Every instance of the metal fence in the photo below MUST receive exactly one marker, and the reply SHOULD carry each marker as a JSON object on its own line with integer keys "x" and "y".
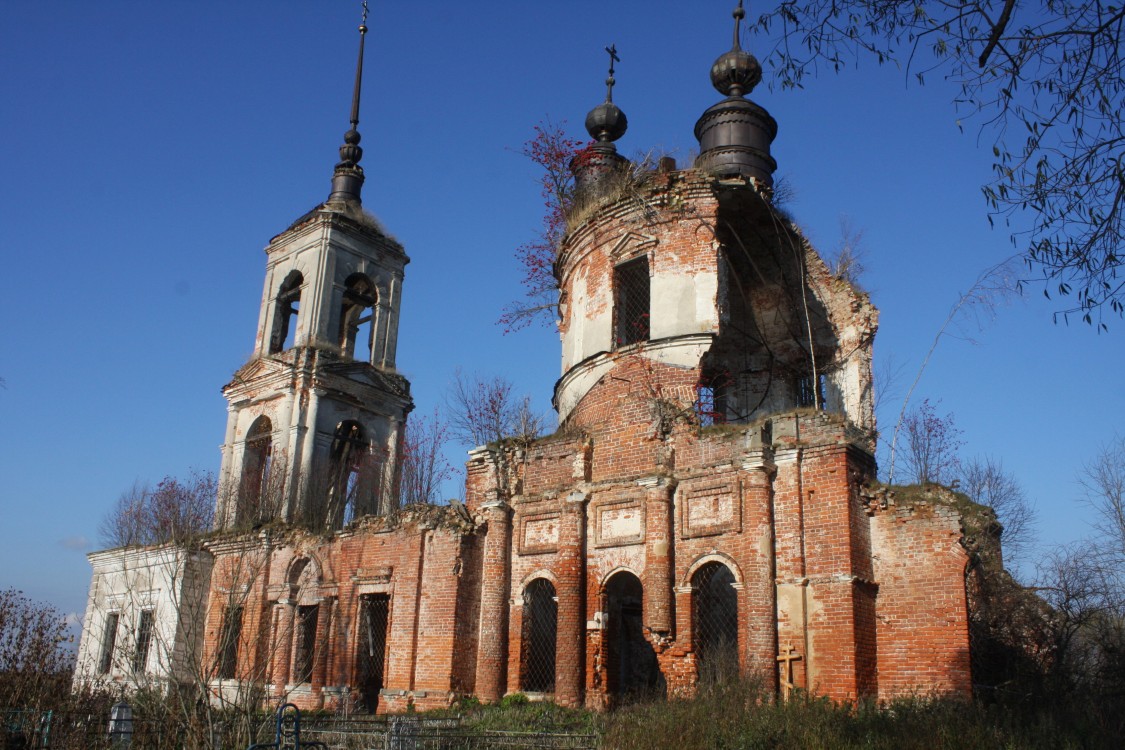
{"x": 46, "y": 730}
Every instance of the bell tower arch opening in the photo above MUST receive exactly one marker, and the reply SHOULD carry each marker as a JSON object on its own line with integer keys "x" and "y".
{"x": 357, "y": 318}
{"x": 285, "y": 313}
{"x": 257, "y": 463}
{"x": 351, "y": 485}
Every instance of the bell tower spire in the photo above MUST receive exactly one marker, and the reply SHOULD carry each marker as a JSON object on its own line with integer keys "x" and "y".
{"x": 315, "y": 418}
{"x": 347, "y": 180}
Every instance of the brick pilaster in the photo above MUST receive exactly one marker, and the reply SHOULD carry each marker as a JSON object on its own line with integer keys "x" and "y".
{"x": 492, "y": 653}
{"x": 571, "y": 572}
{"x": 659, "y": 558}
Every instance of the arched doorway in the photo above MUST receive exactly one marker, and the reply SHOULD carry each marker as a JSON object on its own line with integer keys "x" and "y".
{"x": 631, "y": 667}
{"x": 714, "y": 623}
{"x": 539, "y": 635}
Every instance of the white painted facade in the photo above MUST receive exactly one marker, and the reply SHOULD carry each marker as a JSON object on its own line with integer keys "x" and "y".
{"x": 167, "y": 585}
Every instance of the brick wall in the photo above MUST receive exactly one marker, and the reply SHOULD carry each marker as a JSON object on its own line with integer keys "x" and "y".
{"x": 923, "y": 628}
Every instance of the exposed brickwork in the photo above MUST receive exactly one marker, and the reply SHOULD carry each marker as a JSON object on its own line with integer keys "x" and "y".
{"x": 833, "y": 592}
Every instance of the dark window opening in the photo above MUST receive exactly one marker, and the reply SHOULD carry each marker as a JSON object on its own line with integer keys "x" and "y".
{"x": 632, "y": 671}
{"x": 288, "y": 300}
{"x": 631, "y": 302}
{"x": 144, "y": 640}
{"x": 806, "y": 395}
{"x": 539, "y": 634}
{"x": 230, "y": 635}
{"x": 256, "y": 464}
{"x": 306, "y": 644}
{"x": 109, "y": 643}
{"x": 374, "y": 611}
{"x": 714, "y": 619}
{"x": 357, "y": 315}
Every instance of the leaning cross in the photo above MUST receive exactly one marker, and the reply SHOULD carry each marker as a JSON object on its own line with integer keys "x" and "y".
{"x": 787, "y": 655}
{"x": 612, "y": 50}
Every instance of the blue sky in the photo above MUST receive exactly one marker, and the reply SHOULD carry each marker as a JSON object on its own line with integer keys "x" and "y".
{"x": 150, "y": 151}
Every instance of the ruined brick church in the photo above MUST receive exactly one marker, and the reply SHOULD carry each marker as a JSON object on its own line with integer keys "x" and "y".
{"x": 705, "y": 509}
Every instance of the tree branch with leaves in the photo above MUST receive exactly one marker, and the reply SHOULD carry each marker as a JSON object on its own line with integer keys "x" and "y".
{"x": 1047, "y": 79}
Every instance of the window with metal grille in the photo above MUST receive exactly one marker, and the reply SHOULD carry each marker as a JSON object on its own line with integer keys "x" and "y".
{"x": 109, "y": 642}
{"x": 228, "y": 645}
{"x": 714, "y": 618}
{"x": 374, "y": 610}
{"x": 144, "y": 640}
{"x": 540, "y": 628}
{"x": 711, "y": 397}
{"x": 631, "y": 302}
{"x": 306, "y": 644}
{"x": 806, "y": 395}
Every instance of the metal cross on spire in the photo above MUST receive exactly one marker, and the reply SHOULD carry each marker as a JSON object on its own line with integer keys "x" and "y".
{"x": 613, "y": 58}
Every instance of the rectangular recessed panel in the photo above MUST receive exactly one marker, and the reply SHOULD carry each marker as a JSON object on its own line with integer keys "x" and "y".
{"x": 540, "y": 534}
{"x": 711, "y": 509}
{"x": 620, "y": 523}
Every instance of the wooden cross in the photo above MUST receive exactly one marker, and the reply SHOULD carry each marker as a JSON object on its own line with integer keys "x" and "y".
{"x": 787, "y": 655}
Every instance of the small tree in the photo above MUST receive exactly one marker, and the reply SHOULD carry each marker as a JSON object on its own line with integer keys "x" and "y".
{"x": 485, "y": 411}
{"x": 1104, "y": 482}
{"x": 551, "y": 150}
{"x": 932, "y": 442}
{"x": 985, "y": 480}
{"x": 424, "y": 466}
{"x": 173, "y": 511}
{"x": 35, "y": 661}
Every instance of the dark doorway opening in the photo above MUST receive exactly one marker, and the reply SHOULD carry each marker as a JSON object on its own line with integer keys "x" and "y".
{"x": 632, "y": 671}
{"x": 714, "y": 618}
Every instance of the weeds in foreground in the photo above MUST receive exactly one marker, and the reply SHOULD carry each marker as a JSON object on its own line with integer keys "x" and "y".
{"x": 742, "y": 715}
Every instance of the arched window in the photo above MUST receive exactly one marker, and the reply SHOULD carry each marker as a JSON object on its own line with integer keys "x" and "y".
{"x": 349, "y": 485}
{"x": 631, "y": 666}
{"x": 285, "y": 313}
{"x": 540, "y": 629}
{"x": 256, "y": 464}
{"x": 714, "y": 622}
{"x": 357, "y": 313}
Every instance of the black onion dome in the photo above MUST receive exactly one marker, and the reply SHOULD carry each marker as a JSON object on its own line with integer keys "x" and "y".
{"x": 735, "y": 134}
{"x": 606, "y": 122}
{"x": 736, "y": 73}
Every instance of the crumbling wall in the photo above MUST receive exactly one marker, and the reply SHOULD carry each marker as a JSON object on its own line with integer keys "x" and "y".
{"x": 739, "y": 298}
{"x": 919, "y": 564}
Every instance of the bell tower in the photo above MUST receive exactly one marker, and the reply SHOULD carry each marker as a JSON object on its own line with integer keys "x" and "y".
{"x": 315, "y": 418}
